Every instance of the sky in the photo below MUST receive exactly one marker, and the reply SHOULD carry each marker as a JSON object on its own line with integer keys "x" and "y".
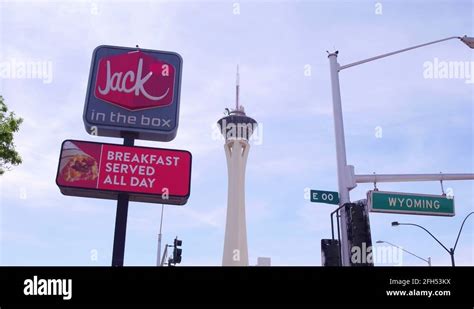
{"x": 398, "y": 119}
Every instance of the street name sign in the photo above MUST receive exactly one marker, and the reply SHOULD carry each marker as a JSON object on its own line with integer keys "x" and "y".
{"x": 133, "y": 90}
{"x": 410, "y": 203}
{"x": 100, "y": 170}
{"x": 327, "y": 197}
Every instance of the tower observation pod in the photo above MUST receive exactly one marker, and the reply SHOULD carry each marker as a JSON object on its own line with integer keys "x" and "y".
{"x": 236, "y": 128}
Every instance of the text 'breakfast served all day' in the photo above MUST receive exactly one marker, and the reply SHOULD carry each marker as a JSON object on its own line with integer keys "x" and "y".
{"x": 142, "y": 170}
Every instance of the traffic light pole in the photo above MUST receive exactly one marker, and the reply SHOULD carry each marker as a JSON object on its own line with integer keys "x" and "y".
{"x": 158, "y": 255}
{"x": 345, "y": 173}
{"x": 165, "y": 254}
{"x": 342, "y": 167}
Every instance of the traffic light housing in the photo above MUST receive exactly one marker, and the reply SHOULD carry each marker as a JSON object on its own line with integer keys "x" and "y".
{"x": 330, "y": 252}
{"x": 177, "y": 251}
{"x": 358, "y": 234}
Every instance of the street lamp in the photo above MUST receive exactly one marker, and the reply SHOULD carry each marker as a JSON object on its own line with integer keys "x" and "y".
{"x": 346, "y": 178}
{"x": 427, "y": 261}
{"x": 451, "y": 250}
{"x": 468, "y": 41}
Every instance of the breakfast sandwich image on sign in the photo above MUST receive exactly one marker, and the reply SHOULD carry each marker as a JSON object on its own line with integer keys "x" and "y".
{"x": 133, "y": 90}
{"x": 147, "y": 174}
{"x": 79, "y": 166}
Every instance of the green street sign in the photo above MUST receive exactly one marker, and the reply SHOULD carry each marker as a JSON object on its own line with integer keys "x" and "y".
{"x": 327, "y": 197}
{"x": 410, "y": 203}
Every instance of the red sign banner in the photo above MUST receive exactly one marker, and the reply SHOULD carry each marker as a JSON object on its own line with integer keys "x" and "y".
{"x": 102, "y": 170}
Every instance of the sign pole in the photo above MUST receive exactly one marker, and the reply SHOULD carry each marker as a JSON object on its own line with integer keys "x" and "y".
{"x": 121, "y": 216}
{"x": 120, "y": 230}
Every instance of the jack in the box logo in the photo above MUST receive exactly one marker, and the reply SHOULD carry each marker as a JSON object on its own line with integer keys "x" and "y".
{"x": 133, "y": 91}
{"x": 135, "y": 81}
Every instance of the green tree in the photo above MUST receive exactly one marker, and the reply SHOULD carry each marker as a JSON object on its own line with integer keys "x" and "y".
{"x": 9, "y": 124}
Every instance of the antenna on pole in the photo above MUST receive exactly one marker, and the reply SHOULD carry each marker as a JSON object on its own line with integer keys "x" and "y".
{"x": 237, "y": 84}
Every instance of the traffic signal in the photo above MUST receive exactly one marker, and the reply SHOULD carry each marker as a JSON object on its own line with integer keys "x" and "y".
{"x": 358, "y": 233}
{"x": 330, "y": 252}
{"x": 177, "y": 251}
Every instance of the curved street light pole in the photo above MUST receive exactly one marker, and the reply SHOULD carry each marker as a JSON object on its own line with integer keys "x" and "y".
{"x": 427, "y": 261}
{"x": 451, "y": 250}
{"x": 460, "y": 230}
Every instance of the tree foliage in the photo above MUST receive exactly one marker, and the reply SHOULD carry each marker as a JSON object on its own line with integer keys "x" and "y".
{"x": 9, "y": 124}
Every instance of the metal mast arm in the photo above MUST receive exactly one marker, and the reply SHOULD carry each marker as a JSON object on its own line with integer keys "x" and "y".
{"x": 410, "y": 177}
{"x": 395, "y": 52}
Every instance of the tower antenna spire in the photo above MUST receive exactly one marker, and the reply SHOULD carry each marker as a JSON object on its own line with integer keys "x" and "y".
{"x": 237, "y": 85}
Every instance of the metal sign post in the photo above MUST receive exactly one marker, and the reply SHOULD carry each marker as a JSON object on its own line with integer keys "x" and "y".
{"x": 121, "y": 216}
{"x": 120, "y": 230}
